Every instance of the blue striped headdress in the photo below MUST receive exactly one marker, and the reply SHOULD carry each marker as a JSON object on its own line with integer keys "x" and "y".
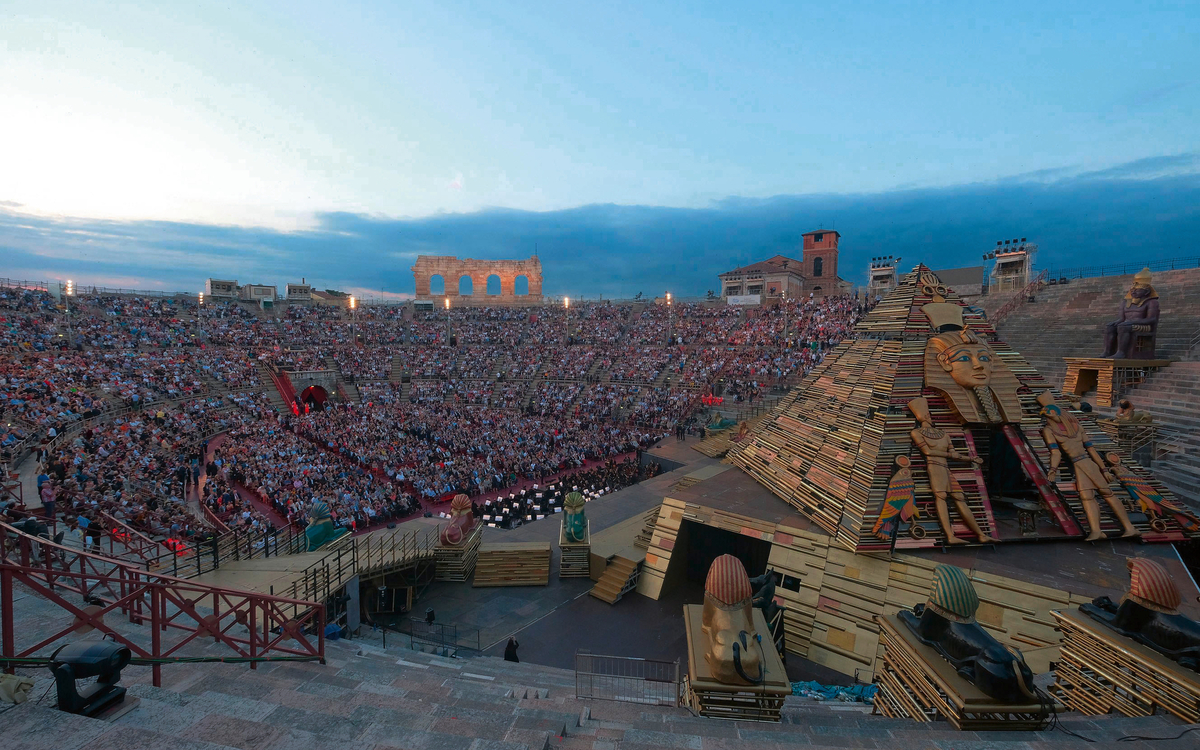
{"x": 953, "y": 596}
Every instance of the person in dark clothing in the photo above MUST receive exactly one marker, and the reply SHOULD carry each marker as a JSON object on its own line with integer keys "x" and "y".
{"x": 510, "y": 651}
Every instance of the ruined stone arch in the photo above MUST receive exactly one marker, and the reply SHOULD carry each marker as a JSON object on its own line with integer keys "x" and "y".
{"x": 455, "y": 269}
{"x": 521, "y": 285}
{"x": 437, "y": 284}
{"x": 466, "y": 286}
{"x": 493, "y": 287}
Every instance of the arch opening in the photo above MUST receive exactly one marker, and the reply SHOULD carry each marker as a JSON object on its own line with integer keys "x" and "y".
{"x": 521, "y": 285}
{"x": 493, "y": 285}
{"x": 313, "y": 398}
{"x": 466, "y": 287}
{"x": 437, "y": 284}
{"x": 818, "y": 267}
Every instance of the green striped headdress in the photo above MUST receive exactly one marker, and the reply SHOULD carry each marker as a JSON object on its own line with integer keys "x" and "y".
{"x": 953, "y": 596}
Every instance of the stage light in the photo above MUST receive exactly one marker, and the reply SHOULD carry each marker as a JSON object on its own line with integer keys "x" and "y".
{"x": 668, "y": 298}
{"x": 447, "y": 303}
{"x": 103, "y": 660}
{"x": 202, "y": 298}
{"x": 353, "y": 303}
{"x": 566, "y": 302}
{"x": 70, "y": 288}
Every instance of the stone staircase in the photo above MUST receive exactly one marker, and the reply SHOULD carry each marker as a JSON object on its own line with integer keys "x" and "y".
{"x": 1068, "y": 321}
{"x": 1172, "y": 397}
{"x": 367, "y": 697}
{"x": 273, "y": 395}
{"x": 619, "y": 577}
{"x": 397, "y": 369}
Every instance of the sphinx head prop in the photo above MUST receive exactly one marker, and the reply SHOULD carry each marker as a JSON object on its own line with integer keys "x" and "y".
{"x": 733, "y": 648}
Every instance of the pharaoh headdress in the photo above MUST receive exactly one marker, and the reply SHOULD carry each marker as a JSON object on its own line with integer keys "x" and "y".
{"x": 993, "y": 403}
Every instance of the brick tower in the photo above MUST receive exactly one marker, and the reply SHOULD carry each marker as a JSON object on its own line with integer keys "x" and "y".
{"x": 820, "y": 259}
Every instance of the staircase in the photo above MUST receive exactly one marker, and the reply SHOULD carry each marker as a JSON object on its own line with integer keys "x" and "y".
{"x": 619, "y": 578}
{"x": 273, "y": 394}
{"x": 1069, "y": 320}
{"x": 1172, "y": 397}
{"x": 369, "y": 697}
{"x": 397, "y": 369}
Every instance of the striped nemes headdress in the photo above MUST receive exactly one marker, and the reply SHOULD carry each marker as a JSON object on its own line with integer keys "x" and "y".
{"x": 1150, "y": 585}
{"x": 728, "y": 582}
{"x": 953, "y": 595}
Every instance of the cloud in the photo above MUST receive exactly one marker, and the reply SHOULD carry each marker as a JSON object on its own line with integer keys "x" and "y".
{"x": 1134, "y": 212}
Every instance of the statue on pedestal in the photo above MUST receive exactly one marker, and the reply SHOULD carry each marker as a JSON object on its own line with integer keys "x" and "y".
{"x": 1064, "y": 435}
{"x": 320, "y": 530}
{"x": 1139, "y": 316}
{"x": 938, "y": 450}
{"x": 1149, "y": 614}
{"x": 733, "y": 648}
{"x": 947, "y": 623}
{"x": 462, "y": 521}
{"x": 575, "y": 526}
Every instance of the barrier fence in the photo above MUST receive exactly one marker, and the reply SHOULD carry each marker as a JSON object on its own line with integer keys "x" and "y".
{"x": 89, "y": 588}
{"x": 627, "y": 679}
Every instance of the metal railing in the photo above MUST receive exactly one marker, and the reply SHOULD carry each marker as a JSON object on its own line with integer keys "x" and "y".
{"x": 177, "y": 611}
{"x": 446, "y": 638}
{"x": 1019, "y": 298}
{"x": 628, "y": 679}
{"x": 1123, "y": 269}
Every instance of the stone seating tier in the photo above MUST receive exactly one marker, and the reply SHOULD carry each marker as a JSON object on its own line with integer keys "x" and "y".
{"x": 1068, "y": 321}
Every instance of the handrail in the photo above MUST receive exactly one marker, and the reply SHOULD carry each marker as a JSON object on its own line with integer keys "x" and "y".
{"x": 1018, "y": 299}
{"x": 1124, "y": 269}
{"x": 111, "y": 586}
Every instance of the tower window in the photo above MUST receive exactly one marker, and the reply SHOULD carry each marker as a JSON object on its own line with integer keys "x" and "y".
{"x": 818, "y": 237}
{"x": 818, "y": 266}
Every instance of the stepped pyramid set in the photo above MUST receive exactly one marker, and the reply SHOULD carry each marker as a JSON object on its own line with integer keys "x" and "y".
{"x": 842, "y": 446}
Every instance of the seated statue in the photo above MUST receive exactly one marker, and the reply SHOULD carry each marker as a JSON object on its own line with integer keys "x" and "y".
{"x": 320, "y": 530}
{"x": 1149, "y": 614}
{"x": 462, "y": 521}
{"x": 947, "y": 623}
{"x": 575, "y": 526}
{"x": 1139, "y": 317}
{"x": 733, "y": 649}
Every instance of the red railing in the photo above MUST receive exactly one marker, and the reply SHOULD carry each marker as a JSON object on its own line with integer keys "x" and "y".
{"x": 274, "y": 626}
{"x": 1019, "y": 299}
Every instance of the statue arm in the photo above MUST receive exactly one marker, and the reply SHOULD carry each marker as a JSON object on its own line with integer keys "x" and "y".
{"x": 1095, "y": 455}
{"x": 1055, "y": 454}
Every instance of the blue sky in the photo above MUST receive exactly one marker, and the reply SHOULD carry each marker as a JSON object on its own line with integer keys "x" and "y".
{"x": 250, "y": 121}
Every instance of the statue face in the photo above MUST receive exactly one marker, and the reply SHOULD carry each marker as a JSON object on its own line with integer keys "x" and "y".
{"x": 1137, "y": 291}
{"x": 970, "y": 365}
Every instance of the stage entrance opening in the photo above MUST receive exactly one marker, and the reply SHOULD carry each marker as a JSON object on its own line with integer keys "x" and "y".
{"x": 703, "y": 544}
{"x": 314, "y": 397}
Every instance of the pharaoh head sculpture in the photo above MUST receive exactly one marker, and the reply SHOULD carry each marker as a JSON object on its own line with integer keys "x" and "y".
{"x": 961, "y": 364}
{"x": 462, "y": 521}
{"x": 1150, "y": 585}
{"x": 573, "y": 503}
{"x": 1141, "y": 290}
{"x": 319, "y": 511}
{"x": 733, "y": 648}
{"x": 460, "y": 505}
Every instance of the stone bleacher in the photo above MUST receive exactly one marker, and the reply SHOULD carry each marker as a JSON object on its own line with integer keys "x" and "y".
{"x": 1068, "y": 321}
{"x": 368, "y": 697}
{"x": 1172, "y": 397}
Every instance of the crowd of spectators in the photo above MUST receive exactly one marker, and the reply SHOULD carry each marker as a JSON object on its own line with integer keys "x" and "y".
{"x": 523, "y": 395}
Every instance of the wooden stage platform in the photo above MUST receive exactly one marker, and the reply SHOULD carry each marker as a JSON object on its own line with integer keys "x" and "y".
{"x": 1102, "y": 671}
{"x": 263, "y": 575}
{"x": 916, "y": 683}
{"x": 716, "y": 700}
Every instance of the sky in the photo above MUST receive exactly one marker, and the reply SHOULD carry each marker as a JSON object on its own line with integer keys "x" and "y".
{"x": 154, "y": 141}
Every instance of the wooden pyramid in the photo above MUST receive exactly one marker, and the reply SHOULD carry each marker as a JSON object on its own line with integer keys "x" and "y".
{"x": 830, "y": 447}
